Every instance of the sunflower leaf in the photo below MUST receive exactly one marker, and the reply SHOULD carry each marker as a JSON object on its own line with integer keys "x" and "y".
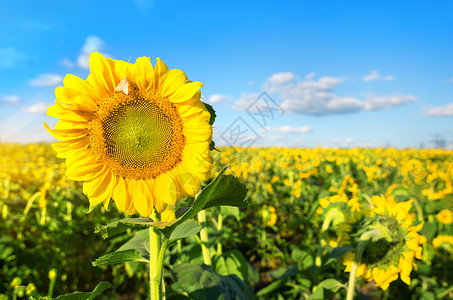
{"x": 212, "y": 112}
{"x": 224, "y": 190}
{"x": 98, "y": 290}
{"x": 121, "y": 226}
{"x": 118, "y": 257}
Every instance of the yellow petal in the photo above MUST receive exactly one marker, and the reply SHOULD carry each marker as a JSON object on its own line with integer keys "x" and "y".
{"x": 100, "y": 188}
{"x": 76, "y": 83}
{"x": 166, "y": 189}
{"x": 143, "y": 201}
{"x": 171, "y": 81}
{"x": 66, "y": 134}
{"x": 185, "y": 92}
{"x": 189, "y": 181}
{"x": 120, "y": 196}
{"x": 76, "y": 99}
{"x": 159, "y": 70}
{"x": 68, "y": 115}
{"x": 142, "y": 73}
{"x": 101, "y": 74}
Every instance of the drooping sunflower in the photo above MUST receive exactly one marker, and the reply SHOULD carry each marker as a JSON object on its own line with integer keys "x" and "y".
{"x": 393, "y": 241}
{"x": 133, "y": 133}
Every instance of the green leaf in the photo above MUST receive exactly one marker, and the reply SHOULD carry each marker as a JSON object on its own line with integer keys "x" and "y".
{"x": 331, "y": 285}
{"x": 186, "y": 229}
{"x": 98, "y": 290}
{"x": 120, "y": 226}
{"x": 118, "y": 257}
{"x": 429, "y": 230}
{"x": 212, "y": 112}
{"x": 232, "y": 262}
{"x": 318, "y": 294}
{"x": 230, "y": 211}
{"x": 284, "y": 272}
{"x": 139, "y": 242}
{"x": 271, "y": 288}
{"x": 340, "y": 251}
{"x": 224, "y": 190}
{"x": 201, "y": 282}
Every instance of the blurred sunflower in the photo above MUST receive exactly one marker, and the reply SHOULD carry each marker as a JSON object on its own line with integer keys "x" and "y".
{"x": 445, "y": 216}
{"x": 133, "y": 132}
{"x": 390, "y": 238}
{"x": 444, "y": 243}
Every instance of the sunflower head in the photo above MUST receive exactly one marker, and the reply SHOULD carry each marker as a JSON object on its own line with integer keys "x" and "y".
{"x": 133, "y": 133}
{"x": 392, "y": 241}
{"x": 445, "y": 216}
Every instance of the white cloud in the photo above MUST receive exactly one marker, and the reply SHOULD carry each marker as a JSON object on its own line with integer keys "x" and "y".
{"x": 375, "y": 76}
{"x": 9, "y": 99}
{"x": 66, "y": 63}
{"x": 47, "y": 79}
{"x": 383, "y": 102}
{"x": 37, "y": 108}
{"x": 290, "y": 129}
{"x": 282, "y": 77}
{"x": 245, "y": 101}
{"x": 92, "y": 44}
{"x": 10, "y": 57}
{"x": 310, "y": 75}
{"x": 318, "y": 97}
{"x": 446, "y": 110}
{"x": 217, "y": 98}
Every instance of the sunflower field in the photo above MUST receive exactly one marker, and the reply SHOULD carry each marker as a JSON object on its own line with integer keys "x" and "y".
{"x": 313, "y": 217}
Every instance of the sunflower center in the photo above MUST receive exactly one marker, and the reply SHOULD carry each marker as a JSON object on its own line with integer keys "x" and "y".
{"x": 139, "y": 134}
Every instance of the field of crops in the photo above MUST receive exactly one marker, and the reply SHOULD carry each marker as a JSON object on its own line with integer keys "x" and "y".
{"x": 308, "y": 214}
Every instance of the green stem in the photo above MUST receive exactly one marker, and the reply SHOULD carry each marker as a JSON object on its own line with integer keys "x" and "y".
{"x": 160, "y": 266}
{"x": 325, "y": 225}
{"x": 355, "y": 265}
{"x": 419, "y": 209}
{"x": 204, "y": 238}
{"x": 219, "y": 227}
{"x": 154, "y": 249}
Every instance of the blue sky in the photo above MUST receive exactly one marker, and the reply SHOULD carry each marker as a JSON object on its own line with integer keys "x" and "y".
{"x": 335, "y": 73}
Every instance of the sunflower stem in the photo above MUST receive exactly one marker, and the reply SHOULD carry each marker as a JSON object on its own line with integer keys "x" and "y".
{"x": 154, "y": 249}
{"x": 355, "y": 264}
{"x": 219, "y": 228}
{"x": 204, "y": 237}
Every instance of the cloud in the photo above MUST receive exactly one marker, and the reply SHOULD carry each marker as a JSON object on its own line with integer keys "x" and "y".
{"x": 282, "y": 77}
{"x": 375, "y": 76}
{"x": 290, "y": 129}
{"x": 47, "y": 79}
{"x": 388, "y": 101}
{"x": 9, "y": 99}
{"x": 318, "y": 97}
{"x": 446, "y": 110}
{"x": 245, "y": 101}
{"x": 310, "y": 75}
{"x": 66, "y": 63}
{"x": 350, "y": 143}
{"x": 37, "y": 108}
{"x": 92, "y": 44}
{"x": 217, "y": 98}
{"x": 10, "y": 58}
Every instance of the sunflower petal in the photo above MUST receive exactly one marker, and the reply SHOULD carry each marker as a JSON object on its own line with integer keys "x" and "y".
{"x": 101, "y": 74}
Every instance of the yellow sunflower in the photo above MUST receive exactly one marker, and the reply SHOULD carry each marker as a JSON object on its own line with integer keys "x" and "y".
{"x": 133, "y": 132}
{"x": 445, "y": 216}
{"x": 393, "y": 241}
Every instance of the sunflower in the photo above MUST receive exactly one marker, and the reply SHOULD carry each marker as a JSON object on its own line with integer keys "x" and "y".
{"x": 392, "y": 241}
{"x": 444, "y": 243}
{"x": 445, "y": 216}
{"x": 133, "y": 133}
